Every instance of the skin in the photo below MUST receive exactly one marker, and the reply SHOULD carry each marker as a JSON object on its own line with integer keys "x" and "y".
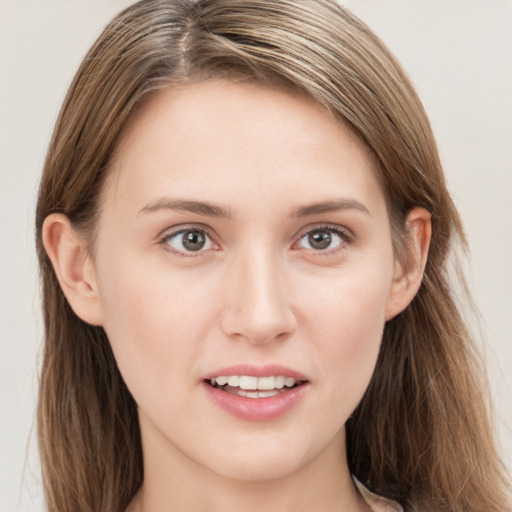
{"x": 258, "y": 292}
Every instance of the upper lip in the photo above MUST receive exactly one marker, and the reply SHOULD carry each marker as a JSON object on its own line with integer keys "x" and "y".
{"x": 252, "y": 370}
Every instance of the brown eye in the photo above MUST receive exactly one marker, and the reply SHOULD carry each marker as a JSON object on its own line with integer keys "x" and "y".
{"x": 189, "y": 240}
{"x": 194, "y": 240}
{"x": 320, "y": 240}
{"x": 323, "y": 239}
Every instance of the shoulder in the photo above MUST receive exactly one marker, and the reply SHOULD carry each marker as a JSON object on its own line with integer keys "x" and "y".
{"x": 377, "y": 503}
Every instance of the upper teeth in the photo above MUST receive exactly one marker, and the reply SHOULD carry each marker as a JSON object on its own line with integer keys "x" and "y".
{"x": 248, "y": 382}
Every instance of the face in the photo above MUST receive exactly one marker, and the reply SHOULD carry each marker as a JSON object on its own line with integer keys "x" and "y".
{"x": 243, "y": 242}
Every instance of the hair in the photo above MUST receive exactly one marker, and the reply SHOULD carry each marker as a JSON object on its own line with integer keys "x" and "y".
{"x": 422, "y": 434}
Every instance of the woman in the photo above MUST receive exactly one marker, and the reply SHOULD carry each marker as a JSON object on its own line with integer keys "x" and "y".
{"x": 243, "y": 230}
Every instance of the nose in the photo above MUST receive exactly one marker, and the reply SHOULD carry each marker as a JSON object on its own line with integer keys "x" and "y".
{"x": 258, "y": 308}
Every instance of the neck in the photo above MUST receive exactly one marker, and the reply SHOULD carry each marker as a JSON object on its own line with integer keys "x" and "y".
{"x": 175, "y": 483}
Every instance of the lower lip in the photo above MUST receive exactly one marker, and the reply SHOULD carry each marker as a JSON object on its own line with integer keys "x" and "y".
{"x": 256, "y": 409}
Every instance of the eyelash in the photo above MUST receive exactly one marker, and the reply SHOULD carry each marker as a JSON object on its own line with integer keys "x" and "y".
{"x": 344, "y": 235}
{"x": 346, "y": 238}
{"x": 187, "y": 254}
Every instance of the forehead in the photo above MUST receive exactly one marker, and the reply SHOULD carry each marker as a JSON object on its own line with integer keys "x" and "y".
{"x": 230, "y": 139}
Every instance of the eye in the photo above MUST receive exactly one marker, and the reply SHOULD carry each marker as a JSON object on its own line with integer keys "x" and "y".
{"x": 323, "y": 239}
{"x": 192, "y": 240}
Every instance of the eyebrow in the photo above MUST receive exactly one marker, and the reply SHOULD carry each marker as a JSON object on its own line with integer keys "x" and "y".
{"x": 329, "y": 206}
{"x": 201, "y": 208}
{"x": 211, "y": 210}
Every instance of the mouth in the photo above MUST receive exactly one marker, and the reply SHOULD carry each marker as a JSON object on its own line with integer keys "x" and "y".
{"x": 256, "y": 393}
{"x": 249, "y": 386}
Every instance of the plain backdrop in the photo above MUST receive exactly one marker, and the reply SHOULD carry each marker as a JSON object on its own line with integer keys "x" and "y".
{"x": 457, "y": 52}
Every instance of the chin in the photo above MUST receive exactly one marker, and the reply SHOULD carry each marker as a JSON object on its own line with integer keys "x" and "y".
{"x": 263, "y": 459}
{"x": 262, "y": 468}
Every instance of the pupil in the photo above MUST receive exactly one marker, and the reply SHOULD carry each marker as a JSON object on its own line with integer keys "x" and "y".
{"x": 194, "y": 240}
{"x": 320, "y": 239}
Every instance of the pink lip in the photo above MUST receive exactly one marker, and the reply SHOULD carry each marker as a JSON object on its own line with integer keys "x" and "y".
{"x": 256, "y": 371}
{"x": 256, "y": 409}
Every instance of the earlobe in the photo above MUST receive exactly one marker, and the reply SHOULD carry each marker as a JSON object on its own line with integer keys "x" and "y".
{"x": 408, "y": 275}
{"x": 73, "y": 267}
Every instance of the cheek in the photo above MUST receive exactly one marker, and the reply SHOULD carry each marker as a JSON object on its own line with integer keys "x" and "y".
{"x": 151, "y": 320}
{"x": 349, "y": 307}
{"x": 347, "y": 323}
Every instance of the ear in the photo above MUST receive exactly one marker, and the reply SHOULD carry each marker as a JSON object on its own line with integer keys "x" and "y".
{"x": 407, "y": 277}
{"x": 73, "y": 267}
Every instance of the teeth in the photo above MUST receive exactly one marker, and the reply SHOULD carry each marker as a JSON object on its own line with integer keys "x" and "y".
{"x": 233, "y": 381}
{"x": 253, "y": 394}
{"x": 265, "y": 383}
{"x": 279, "y": 381}
{"x": 221, "y": 381}
{"x": 247, "y": 382}
{"x": 289, "y": 382}
{"x": 257, "y": 394}
{"x": 250, "y": 383}
{"x": 270, "y": 392}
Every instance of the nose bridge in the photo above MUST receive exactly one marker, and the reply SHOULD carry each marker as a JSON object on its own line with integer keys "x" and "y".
{"x": 259, "y": 308}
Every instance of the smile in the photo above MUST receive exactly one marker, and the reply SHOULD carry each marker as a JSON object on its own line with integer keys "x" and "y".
{"x": 254, "y": 387}
{"x": 256, "y": 394}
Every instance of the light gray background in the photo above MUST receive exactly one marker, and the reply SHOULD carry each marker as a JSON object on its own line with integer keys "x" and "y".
{"x": 457, "y": 52}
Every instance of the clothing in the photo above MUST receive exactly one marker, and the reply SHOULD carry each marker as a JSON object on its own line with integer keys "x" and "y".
{"x": 377, "y": 503}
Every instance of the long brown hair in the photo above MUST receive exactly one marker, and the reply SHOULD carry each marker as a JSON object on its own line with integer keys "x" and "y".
{"x": 421, "y": 434}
